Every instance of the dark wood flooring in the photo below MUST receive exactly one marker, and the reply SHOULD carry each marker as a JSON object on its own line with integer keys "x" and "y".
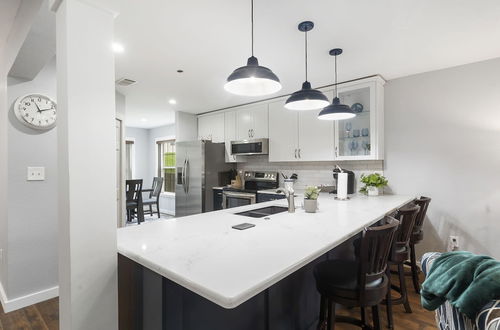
{"x": 41, "y": 316}
{"x": 45, "y": 316}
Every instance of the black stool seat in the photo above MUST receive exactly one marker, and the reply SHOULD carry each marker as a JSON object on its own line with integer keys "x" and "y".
{"x": 339, "y": 278}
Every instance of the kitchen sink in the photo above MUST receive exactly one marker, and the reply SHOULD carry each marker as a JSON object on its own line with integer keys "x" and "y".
{"x": 263, "y": 211}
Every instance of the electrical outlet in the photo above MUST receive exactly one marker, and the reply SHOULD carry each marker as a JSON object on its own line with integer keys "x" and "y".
{"x": 453, "y": 243}
{"x": 36, "y": 174}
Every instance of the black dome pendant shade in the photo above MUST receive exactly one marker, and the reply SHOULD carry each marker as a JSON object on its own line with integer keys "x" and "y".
{"x": 336, "y": 110}
{"x": 306, "y": 98}
{"x": 252, "y": 79}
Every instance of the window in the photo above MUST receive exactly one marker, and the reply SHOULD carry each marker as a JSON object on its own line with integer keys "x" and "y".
{"x": 129, "y": 162}
{"x": 166, "y": 164}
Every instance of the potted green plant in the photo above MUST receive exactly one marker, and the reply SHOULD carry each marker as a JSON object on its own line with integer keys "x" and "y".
{"x": 311, "y": 199}
{"x": 374, "y": 184}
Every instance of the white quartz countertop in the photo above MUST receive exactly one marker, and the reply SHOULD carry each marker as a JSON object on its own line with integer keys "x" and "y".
{"x": 226, "y": 266}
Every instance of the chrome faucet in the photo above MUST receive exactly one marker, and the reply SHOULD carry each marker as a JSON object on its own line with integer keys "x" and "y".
{"x": 289, "y": 193}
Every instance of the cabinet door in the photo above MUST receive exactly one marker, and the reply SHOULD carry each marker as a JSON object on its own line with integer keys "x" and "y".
{"x": 244, "y": 123}
{"x": 283, "y": 133}
{"x": 361, "y": 137}
{"x": 260, "y": 127}
{"x": 229, "y": 134}
{"x": 316, "y": 138}
{"x": 211, "y": 127}
{"x": 217, "y": 127}
{"x": 204, "y": 127}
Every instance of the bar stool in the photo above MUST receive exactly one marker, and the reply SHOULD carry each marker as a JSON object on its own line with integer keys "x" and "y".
{"x": 357, "y": 283}
{"x": 399, "y": 254}
{"x": 416, "y": 237}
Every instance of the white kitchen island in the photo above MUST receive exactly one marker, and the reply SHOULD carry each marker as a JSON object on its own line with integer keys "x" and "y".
{"x": 229, "y": 267}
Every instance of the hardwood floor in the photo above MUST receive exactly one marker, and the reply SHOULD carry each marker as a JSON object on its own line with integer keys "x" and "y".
{"x": 420, "y": 319}
{"x": 45, "y": 316}
{"x": 41, "y": 316}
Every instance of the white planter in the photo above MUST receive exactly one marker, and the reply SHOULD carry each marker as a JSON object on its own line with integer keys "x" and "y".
{"x": 373, "y": 191}
{"x": 310, "y": 205}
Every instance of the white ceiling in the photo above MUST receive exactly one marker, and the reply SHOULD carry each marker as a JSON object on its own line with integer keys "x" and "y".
{"x": 209, "y": 39}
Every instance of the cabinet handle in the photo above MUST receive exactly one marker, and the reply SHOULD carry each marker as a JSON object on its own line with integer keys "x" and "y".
{"x": 299, "y": 154}
{"x": 252, "y": 132}
{"x": 336, "y": 151}
{"x": 295, "y": 153}
{"x": 249, "y": 133}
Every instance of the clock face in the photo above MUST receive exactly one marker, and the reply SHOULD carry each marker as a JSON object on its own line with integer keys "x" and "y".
{"x": 36, "y": 111}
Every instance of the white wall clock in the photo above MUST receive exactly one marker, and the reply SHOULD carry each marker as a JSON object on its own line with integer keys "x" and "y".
{"x": 36, "y": 111}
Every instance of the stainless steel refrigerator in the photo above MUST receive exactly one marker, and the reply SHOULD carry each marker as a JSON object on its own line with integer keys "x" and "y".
{"x": 198, "y": 166}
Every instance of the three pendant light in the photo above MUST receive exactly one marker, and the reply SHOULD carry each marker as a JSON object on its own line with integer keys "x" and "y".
{"x": 256, "y": 80}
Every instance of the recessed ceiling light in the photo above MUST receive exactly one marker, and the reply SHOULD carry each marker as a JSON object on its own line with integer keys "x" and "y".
{"x": 143, "y": 119}
{"x": 118, "y": 48}
{"x": 172, "y": 101}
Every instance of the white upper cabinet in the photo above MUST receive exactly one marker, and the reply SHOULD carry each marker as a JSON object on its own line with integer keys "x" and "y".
{"x": 229, "y": 134}
{"x": 283, "y": 134}
{"x": 252, "y": 122}
{"x": 316, "y": 137}
{"x": 362, "y": 137}
{"x": 299, "y": 135}
{"x": 211, "y": 127}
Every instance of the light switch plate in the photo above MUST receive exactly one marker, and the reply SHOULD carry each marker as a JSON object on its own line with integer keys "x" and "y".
{"x": 36, "y": 174}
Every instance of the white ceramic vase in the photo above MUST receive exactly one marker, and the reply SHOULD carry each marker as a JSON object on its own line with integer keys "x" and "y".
{"x": 310, "y": 205}
{"x": 373, "y": 191}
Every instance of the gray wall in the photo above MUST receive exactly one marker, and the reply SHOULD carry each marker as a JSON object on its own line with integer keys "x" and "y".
{"x": 32, "y": 259}
{"x": 141, "y": 150}
{"x": 145, "y": 149}
{"x": 442, "y": 133}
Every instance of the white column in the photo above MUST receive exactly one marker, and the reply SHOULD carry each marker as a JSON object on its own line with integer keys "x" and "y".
{"x": 87, "y": 179}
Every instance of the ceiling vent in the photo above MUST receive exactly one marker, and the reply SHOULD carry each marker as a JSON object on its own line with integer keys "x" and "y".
{"x": 125, "y": 82}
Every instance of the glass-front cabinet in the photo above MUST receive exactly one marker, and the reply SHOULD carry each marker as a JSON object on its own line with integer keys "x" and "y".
{"x": 361, "y": 138}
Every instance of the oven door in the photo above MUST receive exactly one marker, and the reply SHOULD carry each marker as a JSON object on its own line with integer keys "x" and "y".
{"x": 234, "y": 199}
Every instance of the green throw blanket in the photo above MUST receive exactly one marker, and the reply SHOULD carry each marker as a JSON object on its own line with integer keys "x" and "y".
{"x": 466, "y": 280}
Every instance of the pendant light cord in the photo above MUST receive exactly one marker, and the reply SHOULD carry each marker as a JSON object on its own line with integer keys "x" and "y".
{"x": 306, "y": 51}
{"x": 252, "y": 28}
{"x": 336, "y": 93}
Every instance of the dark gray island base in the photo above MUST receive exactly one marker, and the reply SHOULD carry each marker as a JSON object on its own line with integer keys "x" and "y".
{"x": 149, "y": 301}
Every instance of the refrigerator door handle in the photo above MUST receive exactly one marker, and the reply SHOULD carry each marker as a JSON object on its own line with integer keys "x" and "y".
{"x": 187, "y": 176}
{"x": 183, "y": 175}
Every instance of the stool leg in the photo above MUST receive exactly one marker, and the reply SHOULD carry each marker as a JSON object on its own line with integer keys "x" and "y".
{"x": 414, "y": 269}
{"x": 376, "y": 317}
{"x": 322, "y": 313}
{"x": 331, "y": 315}
{"x": 390, "y": 323}
{"x": 363, "y": 316}
{"x": 402, "y": 285}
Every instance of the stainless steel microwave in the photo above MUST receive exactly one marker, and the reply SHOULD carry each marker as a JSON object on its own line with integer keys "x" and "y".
{"x": 250, "y": 147}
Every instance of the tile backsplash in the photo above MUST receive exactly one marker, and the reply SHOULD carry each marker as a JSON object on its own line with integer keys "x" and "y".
{"x": 311, "y": 173}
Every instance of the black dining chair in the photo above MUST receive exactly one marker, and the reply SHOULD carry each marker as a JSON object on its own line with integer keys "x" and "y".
{"x": 154, "y": 196}
{"x": 133, "y": 194}
{"x": 357, "y": 283}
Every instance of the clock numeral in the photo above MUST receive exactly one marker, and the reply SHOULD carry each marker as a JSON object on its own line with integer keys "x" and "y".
{"x": 26, "y": 115}
{"x": 39, "y": 99}
{"x": 32, "y": 100}
{"x": 27, "y": 104}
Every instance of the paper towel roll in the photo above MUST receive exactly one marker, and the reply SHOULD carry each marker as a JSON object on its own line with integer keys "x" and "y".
{"x": 342, "y": 185}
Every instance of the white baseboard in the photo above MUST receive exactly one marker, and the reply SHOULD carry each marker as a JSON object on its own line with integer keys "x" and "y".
{"x": 28, "y": 300}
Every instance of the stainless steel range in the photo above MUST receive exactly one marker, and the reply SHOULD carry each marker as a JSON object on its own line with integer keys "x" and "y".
{"x": 253, "y": 182}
